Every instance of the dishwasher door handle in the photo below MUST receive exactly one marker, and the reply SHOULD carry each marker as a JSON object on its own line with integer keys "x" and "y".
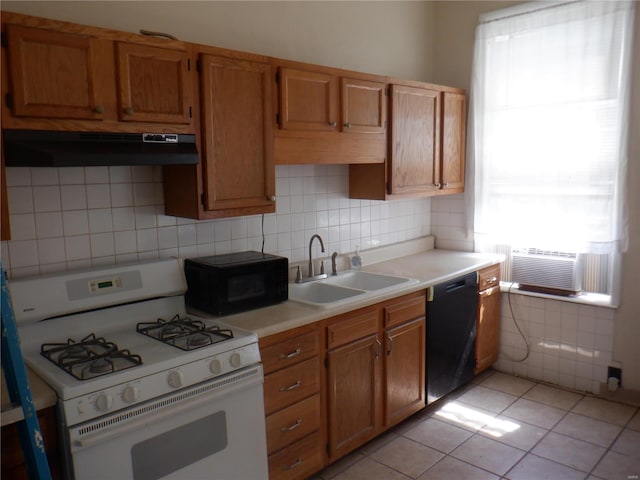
{"x": 452, "y": 287}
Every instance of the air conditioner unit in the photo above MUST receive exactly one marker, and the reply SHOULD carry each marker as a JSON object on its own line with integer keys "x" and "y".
{"x": 558, "y": 273}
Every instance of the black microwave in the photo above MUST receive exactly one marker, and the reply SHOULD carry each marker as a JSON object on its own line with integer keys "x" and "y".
{"x": 235, "y": 282}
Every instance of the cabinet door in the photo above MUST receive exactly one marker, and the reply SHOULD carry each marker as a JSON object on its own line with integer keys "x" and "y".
{"x": 364, "y": 106}
{"x": 154, "y": 84}
{"x": 415, "y": 125}
{"x": 404, "y": 370}
{"x": 453, "y": 140}
{"x": 488, "y": 334}
{"x": 53, "y": 74}
{"x": 308, "y": 100}
{"x": 353, "y": 394}
{"x": 236, "y": 123}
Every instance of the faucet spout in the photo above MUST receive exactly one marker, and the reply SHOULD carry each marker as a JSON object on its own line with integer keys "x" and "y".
{"x": 314, "y": 236}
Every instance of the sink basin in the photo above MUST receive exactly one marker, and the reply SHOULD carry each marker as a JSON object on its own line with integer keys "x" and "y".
{"x": 320, "y": 293}
{"x": 365, "y": 280}
{"x": 342, "y": 288}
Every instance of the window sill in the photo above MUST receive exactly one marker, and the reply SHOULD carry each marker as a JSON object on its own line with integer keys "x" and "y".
{"x": 587, "y": 298}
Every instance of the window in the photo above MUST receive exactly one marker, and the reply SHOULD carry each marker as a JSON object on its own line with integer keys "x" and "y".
{"x": 549, "y": 105}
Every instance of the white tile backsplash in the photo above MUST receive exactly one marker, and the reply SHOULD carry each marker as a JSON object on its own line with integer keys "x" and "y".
{"x": 77, "y": 217}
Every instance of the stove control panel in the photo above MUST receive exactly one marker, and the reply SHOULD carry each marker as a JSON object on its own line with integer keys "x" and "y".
{"x": 136, "y": 391}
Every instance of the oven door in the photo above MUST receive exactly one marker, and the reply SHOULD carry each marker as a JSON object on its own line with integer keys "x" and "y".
{"x": 214, "y": 430}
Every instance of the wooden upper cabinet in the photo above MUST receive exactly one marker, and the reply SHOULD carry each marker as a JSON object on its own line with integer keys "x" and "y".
{"x": 364, "y": 106}
{"x": 53, "y": 74}
{"x": 453, "y": 141}
{"x": 154, "y": 84}
{"x": 308, "y": 100}
{"x": 414, "y": 145}
{"x": 236, "y": 119}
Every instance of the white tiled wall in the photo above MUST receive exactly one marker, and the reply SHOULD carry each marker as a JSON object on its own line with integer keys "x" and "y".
{"x": 448, "y": 223}
{"x": 570, "y": 344}
{"x": 67, "y": 218}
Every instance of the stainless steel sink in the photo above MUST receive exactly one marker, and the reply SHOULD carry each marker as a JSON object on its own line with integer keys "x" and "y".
{"x": 339, "y": 289}
{"x": 365, "y": 280}
{"x": 320, "y": 293}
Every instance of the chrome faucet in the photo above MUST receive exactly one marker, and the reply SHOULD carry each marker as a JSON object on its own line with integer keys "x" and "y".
{"x": 311, "y": 269}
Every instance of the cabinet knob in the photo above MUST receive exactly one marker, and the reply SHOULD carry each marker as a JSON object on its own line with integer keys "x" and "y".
{"x": 332, "y": 124}
{"x": 272, "y": 198}
{"x": 128, "y": 111}
{"x": 347, "y": 125}
{"x": 445, "y": 185}
{"x": 438, "y": 185}
{"x": 98, "y": 109}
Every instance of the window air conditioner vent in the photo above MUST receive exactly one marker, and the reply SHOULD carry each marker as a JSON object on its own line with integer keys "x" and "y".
{"x": 545, "y": 271}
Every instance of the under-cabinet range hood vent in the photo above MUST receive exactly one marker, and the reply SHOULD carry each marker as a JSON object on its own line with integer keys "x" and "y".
{"x": 36, "y": 148}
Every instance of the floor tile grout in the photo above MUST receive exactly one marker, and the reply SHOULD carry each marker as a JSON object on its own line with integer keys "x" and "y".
{"x": 429, "y": 412}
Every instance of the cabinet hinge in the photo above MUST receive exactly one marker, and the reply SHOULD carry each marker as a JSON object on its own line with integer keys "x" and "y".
{"x": 278, "y": 77}
{"x": 278, "y": 118}
{"x": 198, "y": 65}
{"x": 3, "y": 40}
{"x": 8, "y": 99}
{"x": 188, "y": 64}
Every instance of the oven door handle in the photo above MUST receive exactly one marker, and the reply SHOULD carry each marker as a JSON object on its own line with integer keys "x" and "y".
{"x": 158, "y": 414}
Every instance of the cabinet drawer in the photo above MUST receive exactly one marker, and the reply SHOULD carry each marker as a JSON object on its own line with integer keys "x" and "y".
{"x": 293, "y": 423}
{"x": 489, "y": 277}
{"x": 349, "y": 328}
{"x": 286, "y": 387}
{"x": 404, "y": 311}
{"x": 289, "y": 352}
{"x": 298, "y": 461}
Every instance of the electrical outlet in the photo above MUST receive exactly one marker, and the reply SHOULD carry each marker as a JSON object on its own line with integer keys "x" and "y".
{"x": 614, "y": 372}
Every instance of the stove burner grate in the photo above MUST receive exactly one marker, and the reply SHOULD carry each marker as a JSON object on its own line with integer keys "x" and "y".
{"x": 90, "y": 357}
{"x": 184, "y": 332}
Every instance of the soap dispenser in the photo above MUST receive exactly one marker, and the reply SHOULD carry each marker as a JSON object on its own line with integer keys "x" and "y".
{"x": 356, "y": 260}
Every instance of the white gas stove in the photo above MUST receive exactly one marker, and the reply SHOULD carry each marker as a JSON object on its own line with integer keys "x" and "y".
{"x": 118, "y": 347}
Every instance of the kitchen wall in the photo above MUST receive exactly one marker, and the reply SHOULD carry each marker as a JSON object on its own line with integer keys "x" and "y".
{"x": 67, "y": 218}
{"x": 571, "y": 344}
{"x": 403, "y": 39}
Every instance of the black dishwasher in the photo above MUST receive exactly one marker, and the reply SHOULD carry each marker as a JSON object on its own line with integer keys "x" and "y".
{"x": 451, "y": 334}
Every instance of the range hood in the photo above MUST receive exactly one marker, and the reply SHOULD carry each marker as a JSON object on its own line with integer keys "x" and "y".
{"x": 37, "y": 148}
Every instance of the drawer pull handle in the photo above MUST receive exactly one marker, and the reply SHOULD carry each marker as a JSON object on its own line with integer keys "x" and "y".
{"x": 292, "y": 427}
{"x": 286, "y": 356}
{"x": 378, "y": 348}
{"x": 291, "y": 387}
{"x": 295, "y": 464}
{"x": 390, "y": 344}
{"x": 492, "y": 280}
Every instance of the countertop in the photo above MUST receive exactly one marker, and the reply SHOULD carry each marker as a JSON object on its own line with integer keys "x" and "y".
{"x": 414, "y": 259}
{"x": 429, "y": 268}
{"x": 43, "y": 396}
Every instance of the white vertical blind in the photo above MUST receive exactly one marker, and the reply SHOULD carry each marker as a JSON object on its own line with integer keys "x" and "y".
{"x": 549, "y": 107}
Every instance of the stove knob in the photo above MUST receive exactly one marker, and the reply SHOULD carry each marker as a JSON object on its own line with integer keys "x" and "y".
{"x": 236, "y": 359}
{"x": 215, "y": 366}
{"x": 104, "y": 402}
{"x": 175, "y": 379}
{"x": 130, "y": 393}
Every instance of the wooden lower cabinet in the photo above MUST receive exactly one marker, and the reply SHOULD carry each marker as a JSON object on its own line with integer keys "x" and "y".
{"x": 332, "y": 386}
{"x": 293, "y": 403}
{"x": 298, "y": 461}
{"x": 488, "y": 322}
{"x": 14, "y": 466}
{"x": 376, "y": 380}
{"x": 353, "y": 394}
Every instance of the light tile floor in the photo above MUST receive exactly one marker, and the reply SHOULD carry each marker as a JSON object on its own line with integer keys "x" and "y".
{"x": 504, "y": 427}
